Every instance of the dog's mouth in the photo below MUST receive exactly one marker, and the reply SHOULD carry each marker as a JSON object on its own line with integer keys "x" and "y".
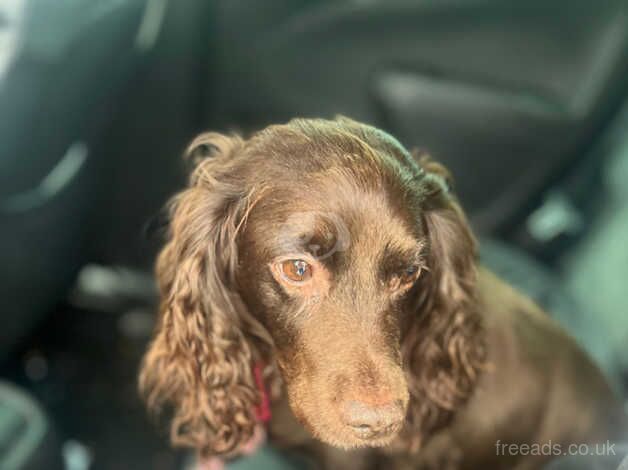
{"x": 353, "y": 438}
{"x": 356, "y": 435}
{"x": 372, "y": 422}
{"x": 378, "y": 436}
{"x": 349, "y": 437}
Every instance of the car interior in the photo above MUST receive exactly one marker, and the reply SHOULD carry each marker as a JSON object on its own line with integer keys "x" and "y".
{"x": 525, "y": 102}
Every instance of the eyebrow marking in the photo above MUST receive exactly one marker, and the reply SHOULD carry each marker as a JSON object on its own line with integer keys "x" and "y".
{"x": 319, "y": 234}
{"x": 396, "y": 258}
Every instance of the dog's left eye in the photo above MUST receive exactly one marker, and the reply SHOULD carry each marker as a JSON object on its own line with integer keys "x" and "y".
{"x": 296, "y": 270}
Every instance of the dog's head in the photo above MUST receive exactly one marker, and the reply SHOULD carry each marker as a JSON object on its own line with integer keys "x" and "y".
{"x": 327, "y": 251}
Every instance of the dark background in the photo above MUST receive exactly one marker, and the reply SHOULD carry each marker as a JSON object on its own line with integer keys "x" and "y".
{"x": 524, "y": 101}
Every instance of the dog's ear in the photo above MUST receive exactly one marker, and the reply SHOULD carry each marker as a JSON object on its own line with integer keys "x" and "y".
{"x": 452, "y": 248}
{"x": 434, "y": 171}
{"x": 198, "y": 366}
{"x": 443, "y": 347}
{"x": 211, "y": 145}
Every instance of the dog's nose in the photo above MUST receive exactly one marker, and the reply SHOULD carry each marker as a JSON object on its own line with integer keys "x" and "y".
{"x": 369, "y": 421}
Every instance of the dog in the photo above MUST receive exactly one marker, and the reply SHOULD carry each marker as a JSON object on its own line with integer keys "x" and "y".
{"x": 320, "y": 272}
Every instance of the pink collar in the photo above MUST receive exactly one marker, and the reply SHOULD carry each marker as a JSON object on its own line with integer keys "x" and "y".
{"x": 262, "y": 410}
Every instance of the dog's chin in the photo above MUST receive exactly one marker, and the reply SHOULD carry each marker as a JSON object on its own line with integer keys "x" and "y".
{"x": 346, "y": 439}
{"x": 331, "y": 432}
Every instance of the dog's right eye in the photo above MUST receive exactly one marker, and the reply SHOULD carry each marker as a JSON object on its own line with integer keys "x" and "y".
{"x": 296, "y": 270}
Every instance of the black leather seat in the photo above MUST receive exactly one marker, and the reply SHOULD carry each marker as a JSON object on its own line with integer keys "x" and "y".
{"x": 506, "y": 93}
{"x": 28, "y": 440}
{"x": 61, "y": 67}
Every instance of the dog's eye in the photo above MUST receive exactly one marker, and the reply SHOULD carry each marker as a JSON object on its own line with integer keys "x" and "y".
{"x": 409, "y": 275}
{"x": 296, "y": 270}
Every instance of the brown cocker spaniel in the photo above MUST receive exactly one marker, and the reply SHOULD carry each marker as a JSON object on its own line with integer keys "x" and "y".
{"x": 321, "y": 267}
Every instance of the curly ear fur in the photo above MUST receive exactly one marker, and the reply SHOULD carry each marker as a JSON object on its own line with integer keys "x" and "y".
{"x": 443, "y": 348}
{"x": 198, "y": 366}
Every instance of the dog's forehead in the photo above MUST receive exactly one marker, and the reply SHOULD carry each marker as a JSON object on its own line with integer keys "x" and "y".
{"x": 327, "y": 186}
{"x": 361, "y": 222}
{"x": 316, "y": 145}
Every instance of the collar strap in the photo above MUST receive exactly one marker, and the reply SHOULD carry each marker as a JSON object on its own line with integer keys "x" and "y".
{"x": 262, "y": 410}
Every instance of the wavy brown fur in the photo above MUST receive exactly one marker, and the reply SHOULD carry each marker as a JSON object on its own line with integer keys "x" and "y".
{"x": 351, "y": 338}
{"x": 444, "y": 348}
{"x": 199, "y": 363}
